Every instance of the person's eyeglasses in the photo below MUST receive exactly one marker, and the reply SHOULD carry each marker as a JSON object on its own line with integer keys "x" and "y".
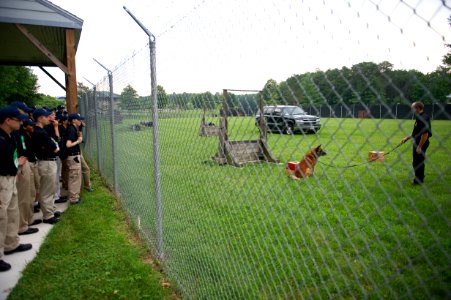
{"x": 16, "y": 119}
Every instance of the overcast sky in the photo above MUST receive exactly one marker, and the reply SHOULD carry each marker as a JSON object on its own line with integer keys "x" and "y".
{"x": 208, "y": 45}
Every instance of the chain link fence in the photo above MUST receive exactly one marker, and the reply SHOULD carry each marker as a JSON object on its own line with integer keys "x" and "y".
{"x": 232, "y": 224}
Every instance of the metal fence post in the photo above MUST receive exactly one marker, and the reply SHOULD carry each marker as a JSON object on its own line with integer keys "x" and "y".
{"x": 113, "y": 136}
{"x": 156, "y": 146}
{"x": 113, "y": 139}
{"x": 96, "y": 120}
{"x": 155, "y": 140}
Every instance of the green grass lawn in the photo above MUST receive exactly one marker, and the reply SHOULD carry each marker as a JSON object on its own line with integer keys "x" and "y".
{"x": 251, "y": 232}
{"x": 91, "y": 254}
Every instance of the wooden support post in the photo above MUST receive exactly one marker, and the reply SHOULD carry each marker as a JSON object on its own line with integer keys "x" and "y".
{"x": 225, "y": 115}
{"x": 262, "y": 121}
{"x": 203, "y": 117}
{"x": 71, "y": 78}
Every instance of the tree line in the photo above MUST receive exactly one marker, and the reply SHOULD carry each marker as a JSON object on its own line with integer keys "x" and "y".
{"x": 365, "y": 83}
{"x": 21, "y": 84}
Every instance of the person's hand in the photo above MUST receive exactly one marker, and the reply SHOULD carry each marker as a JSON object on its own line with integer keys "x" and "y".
{"x": 80, "y": 139}
{"x": 405, "y": 140}
{"x": 419, "y": 150}
{"x": 55, "y": 123}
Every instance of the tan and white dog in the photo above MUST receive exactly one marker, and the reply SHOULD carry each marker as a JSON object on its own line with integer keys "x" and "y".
{"x": 306, "y": 166}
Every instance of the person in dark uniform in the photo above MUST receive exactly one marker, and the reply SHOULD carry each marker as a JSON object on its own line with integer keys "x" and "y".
{"x": 46, "y": 150}
{"x": 28, "y": 127}
{"x": 53, "y": 130}
{"x": 10, "y": 120}
{"x": 62, "y": 154}
{"x": 73, "y": 140}
{"x": 25, "y": 179}
{"x": 24, "y": 176}
{"x": 60, "y": 111}
{"x": 421, "y": 133}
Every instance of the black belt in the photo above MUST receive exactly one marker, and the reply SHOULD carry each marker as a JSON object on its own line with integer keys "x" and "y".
{"x": 73, "y": 154}
{"x": 48, "y": 159}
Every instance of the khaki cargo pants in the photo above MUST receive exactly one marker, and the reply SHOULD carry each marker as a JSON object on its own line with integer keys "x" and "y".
{"x": 74, "y": 184}
{"x": 86, "y": 173}
{"x": 26, "y": 200}
{"x": 35, "y": 182}
{"x": 47, "y": 187}
{"x": 9, "y": 214}
{"x": 64, "y": 178}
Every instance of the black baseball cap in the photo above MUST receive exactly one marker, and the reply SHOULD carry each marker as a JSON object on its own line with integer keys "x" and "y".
{"x": 29, "y": 122}
{"x": 61, "y": 117}
{"x": 75, "y": 117}
{"x": 12, "y": 112}
{"x": 39, "y": 112}
{"x": 21, "y": 105}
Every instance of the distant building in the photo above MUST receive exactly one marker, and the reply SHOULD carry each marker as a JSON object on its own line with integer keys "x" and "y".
{"x": 103, "y": 100}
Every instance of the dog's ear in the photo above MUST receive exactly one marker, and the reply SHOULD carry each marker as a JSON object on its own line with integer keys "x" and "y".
{"x": 318, "y": 148}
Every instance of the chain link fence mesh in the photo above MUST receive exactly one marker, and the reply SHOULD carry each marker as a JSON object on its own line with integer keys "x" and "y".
{"x": 234, "y": 225}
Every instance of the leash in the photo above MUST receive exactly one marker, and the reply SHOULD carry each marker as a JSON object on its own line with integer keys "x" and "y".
{"x": 362, "y": 163}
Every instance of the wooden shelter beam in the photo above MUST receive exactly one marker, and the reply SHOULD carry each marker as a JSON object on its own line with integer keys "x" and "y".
{"x": 42, "y": 48}
{"x": 53, "y": 78}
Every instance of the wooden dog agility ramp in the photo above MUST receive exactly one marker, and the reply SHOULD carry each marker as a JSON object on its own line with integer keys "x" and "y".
{"x": 240, "y": 152}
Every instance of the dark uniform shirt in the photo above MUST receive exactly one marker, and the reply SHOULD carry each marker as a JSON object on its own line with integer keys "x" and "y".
{"x": 16, "y": 136}
{"x": 8, "y": 155}
{"x": 50, "y": 129}
{"x": 59, "y": 113}
{"x": 422, "y": 125}
{"x": 25, "y": 145}
{"x": 62, "y": 130}
{"x": 72, "y": 135}
{"x": 43, "y": 145}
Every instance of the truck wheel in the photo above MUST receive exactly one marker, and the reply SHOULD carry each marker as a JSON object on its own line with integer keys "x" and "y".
{"x": 289, "y": 129}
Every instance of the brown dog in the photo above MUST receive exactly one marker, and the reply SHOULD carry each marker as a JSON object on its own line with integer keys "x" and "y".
{"x": 306, "y": 166}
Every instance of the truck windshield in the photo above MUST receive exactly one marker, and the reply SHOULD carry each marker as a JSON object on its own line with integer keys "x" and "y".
{"x": 294, "y": 111}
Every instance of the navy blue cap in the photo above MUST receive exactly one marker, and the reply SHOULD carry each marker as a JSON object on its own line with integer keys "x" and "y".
{"x": 61, "y": 117}
{"x": 12, "y": 112}
{"x": 49, "y": 109}
{"x": 22, "y": 106}
{"x": 29, "y": 122}
{"x": 39, "y": 112}
{"x": 75, "y": 117}
{"x": 60, "y": 107}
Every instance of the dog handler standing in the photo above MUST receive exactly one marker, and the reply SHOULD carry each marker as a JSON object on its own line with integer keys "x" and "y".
{"x": 421, "y": 133}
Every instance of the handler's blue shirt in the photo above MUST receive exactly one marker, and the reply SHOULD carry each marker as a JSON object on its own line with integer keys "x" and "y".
{"x": 422, "y": 125}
